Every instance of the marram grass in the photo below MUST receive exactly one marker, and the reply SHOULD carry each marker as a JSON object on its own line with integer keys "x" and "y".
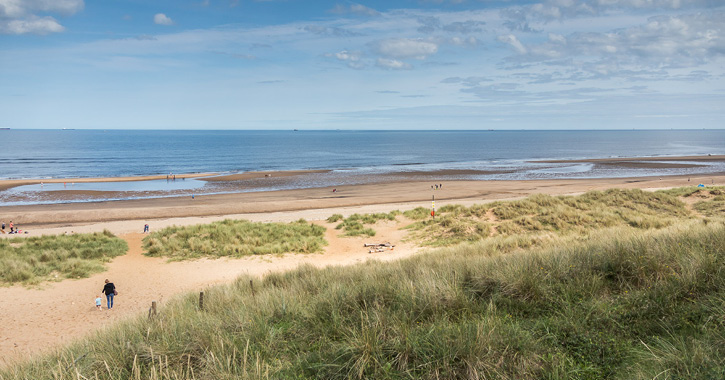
{"x": 31, "y": 260}
{"x": 543, "y": 213}
{"x": 235, "y": 238}
{"x": 624, "y": 304}
{"x": 354, "y": 225}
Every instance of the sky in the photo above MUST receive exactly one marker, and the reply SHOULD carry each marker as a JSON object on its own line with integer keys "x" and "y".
{"x": 395, "y": 64}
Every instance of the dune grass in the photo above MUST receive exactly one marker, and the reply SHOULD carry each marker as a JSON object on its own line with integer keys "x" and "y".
{"x": 235, "y": 238}
{"x": 542, "y": 213}
{"x": 625, "y": 304}
{"x": 31, "y": 260}
{"x": 355, "y": 224}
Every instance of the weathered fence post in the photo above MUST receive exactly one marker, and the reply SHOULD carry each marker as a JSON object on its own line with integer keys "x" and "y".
{"x": 201, "y": 301}
{"x": 251, "y": 285}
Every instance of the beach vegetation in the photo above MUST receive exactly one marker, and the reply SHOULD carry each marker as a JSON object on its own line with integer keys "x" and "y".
{"x": 31, "y": 260}
{"x": 417, "y": 213}
{"x": 543, "y": 213}
{"x": 625, "y": 303}
{"x": 235, "y": 238}
{"x": 356, "y": 224}
{"x": 335, "y": 218}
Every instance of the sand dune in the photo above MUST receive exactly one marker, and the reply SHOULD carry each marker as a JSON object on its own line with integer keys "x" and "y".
{"x": 37, "y": 320}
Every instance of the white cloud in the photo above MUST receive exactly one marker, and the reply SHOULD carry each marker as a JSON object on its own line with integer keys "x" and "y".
{"x": 353, "y": 59}
{"x": 33, "y": 25}
{"x": 393, "y": 64}
{"x": 329, "y": 31}
{"x": 514, "y": 42}
{"x": 357, "y": 9}
{"x": 162, "y": 19}
{"x": 551, "y": 10}
{"x": 348, "y": 56}
{"x": 30, "y": 16}
{"x": 403, "y": 48}
{"x": 663, "y": 41}
{"x": 23, "y": 8}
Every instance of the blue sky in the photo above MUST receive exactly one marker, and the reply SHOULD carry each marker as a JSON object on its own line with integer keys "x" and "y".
{"x": 428, "y": 64}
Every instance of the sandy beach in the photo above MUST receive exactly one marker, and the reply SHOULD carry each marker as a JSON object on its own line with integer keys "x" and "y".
{"x": 36, "y": 320}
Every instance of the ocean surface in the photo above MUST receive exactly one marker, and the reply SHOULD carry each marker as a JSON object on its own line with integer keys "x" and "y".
{"x": 26, "y": 154}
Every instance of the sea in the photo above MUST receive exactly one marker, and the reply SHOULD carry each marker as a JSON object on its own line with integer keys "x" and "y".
{"x": 351, "y": 156}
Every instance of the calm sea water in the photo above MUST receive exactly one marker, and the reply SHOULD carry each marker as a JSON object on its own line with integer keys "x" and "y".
{"x": 98, "y": 153}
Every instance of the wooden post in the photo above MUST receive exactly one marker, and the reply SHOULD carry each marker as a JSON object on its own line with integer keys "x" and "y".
{"x": 251, "y": 286}
{"x": 152, "y": 310}
{"x": 201, "y": 301}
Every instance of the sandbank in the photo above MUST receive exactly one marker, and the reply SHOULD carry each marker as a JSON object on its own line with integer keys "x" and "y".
{"x": 265, "y": 174}
{"x": 708, "y": 158}
{"x": 10, "y": 183}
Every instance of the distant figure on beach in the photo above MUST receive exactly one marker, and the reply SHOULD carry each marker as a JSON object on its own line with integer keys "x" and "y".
{"x": 3, "y": 228}
{"x": 440, "y": 186}
{"x": 98, "y": 303}
{"x": 334, "y": 190}
{"x": 110, "y": 291}
{"x": 145, "y": 228}
{"x": 11, "y": 226}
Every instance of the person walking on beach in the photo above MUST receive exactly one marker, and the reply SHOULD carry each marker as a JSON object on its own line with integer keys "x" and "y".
{"x": 145, "y": 228}
{"x": 110, "y": 291}
{"x": 11, "y": 226}
{"x": 98, "y": 303}
{"x": 3, "y": 228}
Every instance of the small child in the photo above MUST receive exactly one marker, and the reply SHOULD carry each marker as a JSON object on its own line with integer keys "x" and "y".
{"x": 98, "y": 303}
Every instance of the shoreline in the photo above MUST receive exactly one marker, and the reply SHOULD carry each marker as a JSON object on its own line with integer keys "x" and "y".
{"x": 40, "y": 319}
{"x": 412, "y": 192}
{"x": 10, "y": 183}
{"x": 150, "y": 191}
{"x": 707, "y": 158}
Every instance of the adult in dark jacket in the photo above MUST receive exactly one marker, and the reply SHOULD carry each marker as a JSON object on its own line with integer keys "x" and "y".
{"x": 109, "y": 290}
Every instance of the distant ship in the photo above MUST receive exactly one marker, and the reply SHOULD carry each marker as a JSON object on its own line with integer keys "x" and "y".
{"x": 4, "y": 129}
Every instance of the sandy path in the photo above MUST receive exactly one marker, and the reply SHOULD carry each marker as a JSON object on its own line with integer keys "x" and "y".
{"x": 36, "y": 320}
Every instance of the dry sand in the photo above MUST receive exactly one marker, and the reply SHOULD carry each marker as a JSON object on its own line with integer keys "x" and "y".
{"x": 37, "y": 320}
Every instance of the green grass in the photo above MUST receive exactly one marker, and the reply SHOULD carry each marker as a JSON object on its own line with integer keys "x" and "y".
{"x": 354, "y": 225}
{"x": 235, "y": 238}
{"x": 541, "y": 213}
{"x": 31, "y": 260}
{"x": 624, "y": 304}
{"x": 712, "y": 199}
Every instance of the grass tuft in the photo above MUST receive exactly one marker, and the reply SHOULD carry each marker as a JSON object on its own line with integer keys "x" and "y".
{"x": 31, "y": 260}
{"x": 235, "y": 238}
{"x": 354, "y": 225}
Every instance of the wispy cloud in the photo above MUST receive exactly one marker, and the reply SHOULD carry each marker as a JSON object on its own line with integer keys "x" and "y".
{"x": 33, "y": 17}
{"x": 356, "y": 9}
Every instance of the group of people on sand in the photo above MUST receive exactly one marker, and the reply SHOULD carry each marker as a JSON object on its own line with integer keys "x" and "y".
{"x": 110, "y": 291}
{"x": 436, "y": 186}
{"x": 13, "y": 229}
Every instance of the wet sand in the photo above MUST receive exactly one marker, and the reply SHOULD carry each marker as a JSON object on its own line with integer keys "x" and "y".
{"x": 10, "y": 183}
